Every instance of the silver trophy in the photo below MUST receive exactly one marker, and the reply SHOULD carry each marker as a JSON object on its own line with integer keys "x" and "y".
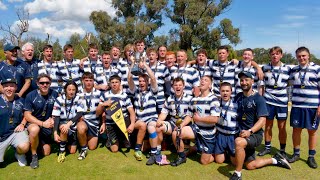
{"x": 136, "y": 70}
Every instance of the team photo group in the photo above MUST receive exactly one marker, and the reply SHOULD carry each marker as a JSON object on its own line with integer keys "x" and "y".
{"x": 138, "y": 97}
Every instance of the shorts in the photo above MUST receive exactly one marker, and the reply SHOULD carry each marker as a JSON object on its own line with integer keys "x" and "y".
{"x": 304, "y": 118}
{"x": 281, "y": 113}
{"x": 225, "y": 143}
{"x": 205, "y": 138}
{"x": 45, "y": 135}
{"x": 72, "y": 134}
{"x": 15, "y": 139}
{"x": 253, "y": 141}
{"x": 167, "y": 124}
{"x": 115, "y": 135}
{"x": 93, "y": 130}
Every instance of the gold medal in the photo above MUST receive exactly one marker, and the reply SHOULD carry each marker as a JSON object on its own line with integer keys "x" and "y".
{"x": 141, "y": 109}
{"x": 177, "y": 117}
{"x": 302, "y": 86}
{"x": 88, "y": 110}
{"x": 244, "y": 117}
{"x": 275, "y": 86}
{"x": 11, "y": 120}
{"x": 178, "y": 122}
{"x": 43, "y": 114}
{"x": 70, "y": 78}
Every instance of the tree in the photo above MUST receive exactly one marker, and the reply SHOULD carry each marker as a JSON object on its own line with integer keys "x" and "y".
{"x": 14, "y": 34}
{"x": 134, "y": 20}
{"x": 57, "y": 51}
{"x": 196, "y": 18}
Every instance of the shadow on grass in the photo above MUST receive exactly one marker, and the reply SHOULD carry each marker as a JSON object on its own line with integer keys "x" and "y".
{"x": 225, "y": 170}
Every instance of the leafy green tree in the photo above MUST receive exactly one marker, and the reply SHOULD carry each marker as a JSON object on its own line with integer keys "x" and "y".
{"x": 57, "y": 51}
{"x": 134, "y": 20}
{"x": 196, "y": 20}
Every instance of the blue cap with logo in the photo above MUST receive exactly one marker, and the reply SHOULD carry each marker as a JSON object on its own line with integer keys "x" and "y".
{"x": 10, "y": 47}
{"x": 9, "y": 80}
{"x": 245, "y": 73}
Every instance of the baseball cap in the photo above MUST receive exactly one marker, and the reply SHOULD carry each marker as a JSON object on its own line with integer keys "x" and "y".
{"x": 9, "y": 80}
{"x": 10, "y": 47}
{"x": 245, "y": 73}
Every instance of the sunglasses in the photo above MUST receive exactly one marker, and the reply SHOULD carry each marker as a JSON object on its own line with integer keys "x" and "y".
{"x": 45, "y": 82}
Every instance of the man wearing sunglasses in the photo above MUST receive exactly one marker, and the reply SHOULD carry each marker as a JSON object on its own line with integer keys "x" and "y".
{"x": 38, "y": 109}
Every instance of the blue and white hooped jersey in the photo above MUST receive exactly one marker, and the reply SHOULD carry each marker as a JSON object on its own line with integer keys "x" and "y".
{"x": 51, "y": 68}
{"x": 70, "y": 71}
{"x": 306, "y": 86}
{"x": 123, "y": 99}
{"x": 66, "y": 109}
{"x": 276, "y": 79}
{"x": 253, "y": 71}
{"x": 106, "y": 74}
{"x": 93, "y": 66}
{"x": 228, "y": 123}
{"x": 124, "y": 70}
{"x": 145, "y": 104}
{"x": 203, "y": 70}
{"x": 177, "y": 108}
{"x": 188, "y": 74}
{"x": 205, "y": 106}
{"x": 225, "y": 72}
{"x": 88, "y": 105}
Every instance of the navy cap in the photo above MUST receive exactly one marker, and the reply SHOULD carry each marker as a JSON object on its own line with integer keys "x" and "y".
{"x": 9, "y": 80}
{"x": 10, "y": 47}
{"x": 245, "y": 73}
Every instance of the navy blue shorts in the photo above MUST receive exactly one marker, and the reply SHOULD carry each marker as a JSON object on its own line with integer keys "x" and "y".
{"x": 72, "y": 137}
{"x": 253, "y": 141}
{"x": 304, "y": 118}
{"x": 92, "y": 131}
{"x": 225, "y": 143}
{"x": 281, "y": 113}
{"x": 45, "y": 135}
{"x": 205, "y": 139}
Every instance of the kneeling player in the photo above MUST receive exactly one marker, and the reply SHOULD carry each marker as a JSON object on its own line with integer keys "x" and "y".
{"x": 88, "y": 129}
{"x": 176, "y": 106}
{"x": 205, "y": 111}
{"x": 116, "y": 94}
{"x": 146, "y": 110}
{"x": 227, "y": 125}
{"x": 65, "y": 120}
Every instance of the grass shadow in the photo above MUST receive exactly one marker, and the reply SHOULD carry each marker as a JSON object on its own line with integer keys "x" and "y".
{"x": 225, "y": 170}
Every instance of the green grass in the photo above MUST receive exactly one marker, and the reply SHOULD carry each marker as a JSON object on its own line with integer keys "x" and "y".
{"x": 102, "y": 164}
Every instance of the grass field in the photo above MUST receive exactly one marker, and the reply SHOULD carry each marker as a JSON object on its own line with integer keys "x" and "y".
{"x": 102, "y": 164}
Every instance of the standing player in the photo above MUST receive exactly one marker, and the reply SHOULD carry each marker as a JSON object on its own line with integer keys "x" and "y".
{"x": 50, "y": 67}
{"x": 38, "y": 109}
{"x": 88, "y": 129}
{"x": 68, "y": 68}
{"x": 202, "y": 63}
{"x": 12, "y": 123}
{"x": 205, "y": 111}
{"x": 162, "y": 51}
{"x": 305, "y": 110}
{"x": 115, "y": 135}
{"x": 252, "y": 112}
{"x": 146, "y": 111}
{"x": 65, "y": 120}
{"x": 188, "y": 74}
{"x": 276, "y": 75}
{"x": 11, "y": 68}
{"x": 227, "y": 125}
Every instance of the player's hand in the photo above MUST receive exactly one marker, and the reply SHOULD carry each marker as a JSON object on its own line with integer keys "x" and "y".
{"x": 235, "y": 61}
{"x": 159, "y": 123}
{"x": 19, "y": 128}
{"x": 64, "y": 128}
{"x": 245, "y": 133}
{"x": 260, "y": 74}
{"x": 82, "y": 62}
{"x": 56, "y": 137}
{"x": 102, "y": 128}
{"x": 196, "y": 117}
{"x": 130, "y": 128}
{"x": 318, "y": 111}
{"x": 103, "y": 87}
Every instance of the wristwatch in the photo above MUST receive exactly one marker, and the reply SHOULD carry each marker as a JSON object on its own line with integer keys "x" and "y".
{"x": 251, "y": 132}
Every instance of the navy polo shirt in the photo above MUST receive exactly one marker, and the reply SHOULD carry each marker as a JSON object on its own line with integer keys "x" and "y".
{"x": 7, "y": 128}
{"x": 40, "y": 106}
{"x": 252, "y": 108}
{"x": 19, "y": 71}
{"x": 33, "y": 65}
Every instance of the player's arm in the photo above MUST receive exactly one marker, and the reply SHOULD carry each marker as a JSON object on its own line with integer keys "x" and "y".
{"x": 256, "y": 127}
{"x": 153, "y": 79}
{"x": 186, "y": 121}
{"x": 259, "y": 70}
{"x": 31, "y": 119}
{"x": 205, "y": 119}
{"x": 25, "y": 87}
{"x": 130, "y": 78}
{"x": 162, "y": 117}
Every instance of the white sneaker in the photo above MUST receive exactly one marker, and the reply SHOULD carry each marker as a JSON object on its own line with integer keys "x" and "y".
{"x": 22, "y": 161}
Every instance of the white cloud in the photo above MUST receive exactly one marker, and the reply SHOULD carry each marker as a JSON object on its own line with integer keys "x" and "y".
{"x": 294, "y": 17}
{"x": 2, "y": 6}
{"x": 290, "y": 25}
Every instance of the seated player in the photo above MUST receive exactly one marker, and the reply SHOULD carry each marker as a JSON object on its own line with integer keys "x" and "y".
{"x": 227, "y": 125}
{"x": 205, "y": 111}
{"x": 12, "y": 124}
{"x": 176, "y": 106}
{"x": 65, "y": 120}
{"x": 146, "y": 110}
{"x": 88, "y": 129}
{"x": 114, "y": 133}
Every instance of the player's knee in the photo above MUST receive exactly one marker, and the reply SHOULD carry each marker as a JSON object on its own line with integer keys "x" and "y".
{"x": 269, "y": 127}
{"x": 205, "y": 161}
{"x": 251, "y": 166}
{"x": 219, "y": 160}
{"x": 114, "y": 148}
{"x": 240, "y": 142}
{"x": 46, "y": 150}
{"x": 81, "y": 128}
{"x": 23, "y": 148}
{"x": 33, "y": 130}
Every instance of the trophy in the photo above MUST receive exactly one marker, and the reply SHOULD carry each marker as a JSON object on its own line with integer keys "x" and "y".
{"x": 136, "y": 70}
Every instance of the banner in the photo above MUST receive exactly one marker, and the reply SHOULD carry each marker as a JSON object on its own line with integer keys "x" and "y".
{"x": 115, "y": 111}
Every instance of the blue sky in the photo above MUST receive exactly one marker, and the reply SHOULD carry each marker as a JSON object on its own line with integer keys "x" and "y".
{"x": 288, "y": 24}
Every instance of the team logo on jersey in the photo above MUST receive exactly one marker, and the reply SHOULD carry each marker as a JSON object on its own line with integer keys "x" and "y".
{"x": 20, "y": 70}
{"x": 249, "y": 105}
{"x": 295, "y": 122}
